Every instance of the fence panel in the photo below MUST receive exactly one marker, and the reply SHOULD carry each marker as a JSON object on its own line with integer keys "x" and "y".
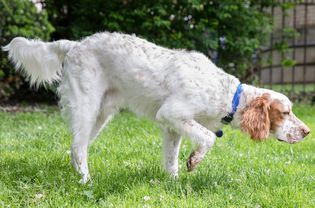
{"x": 288, "y": 62}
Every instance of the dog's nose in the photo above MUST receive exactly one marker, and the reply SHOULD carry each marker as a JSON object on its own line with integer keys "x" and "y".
{"x": 305, "y": 131}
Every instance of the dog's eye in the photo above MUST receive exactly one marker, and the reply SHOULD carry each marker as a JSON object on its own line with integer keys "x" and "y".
{"x": 286, "y": 113}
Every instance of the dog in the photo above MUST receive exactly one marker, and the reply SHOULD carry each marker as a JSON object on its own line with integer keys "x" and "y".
{"x": 181, "y": 90}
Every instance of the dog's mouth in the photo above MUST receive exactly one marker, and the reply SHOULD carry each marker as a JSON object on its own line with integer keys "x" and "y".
{"x": 290, "y": 140}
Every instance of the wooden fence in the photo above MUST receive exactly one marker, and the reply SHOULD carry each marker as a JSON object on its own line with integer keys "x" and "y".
{"x": 289, "y": 59}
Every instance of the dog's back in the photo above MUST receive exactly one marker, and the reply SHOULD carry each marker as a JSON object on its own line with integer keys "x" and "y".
{"x": 142, "y": 73}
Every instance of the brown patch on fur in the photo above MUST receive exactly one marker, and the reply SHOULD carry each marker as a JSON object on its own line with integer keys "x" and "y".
{"x": 193, "y": 161}
{"x": 255, "y": 118}
{"x": 276, "y": 114}
{"x": 261, "y": 116}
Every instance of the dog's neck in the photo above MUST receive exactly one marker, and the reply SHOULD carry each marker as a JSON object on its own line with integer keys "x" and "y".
{"x": 249, "y": 93}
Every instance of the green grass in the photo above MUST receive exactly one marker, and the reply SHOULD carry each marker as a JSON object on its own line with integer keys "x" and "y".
{"x": 35, "y": 168}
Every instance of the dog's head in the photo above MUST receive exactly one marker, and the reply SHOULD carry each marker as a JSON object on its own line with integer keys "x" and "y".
{"x": 272, "y": 114}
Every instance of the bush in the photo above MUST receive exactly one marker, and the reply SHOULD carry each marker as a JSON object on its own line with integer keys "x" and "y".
{"x": 18, "y": 18}
{"x": 229, "y": 32}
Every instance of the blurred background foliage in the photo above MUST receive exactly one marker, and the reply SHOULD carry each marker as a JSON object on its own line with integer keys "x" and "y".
{"x": 19, "y": 18}
{"x": 229, "y": 32}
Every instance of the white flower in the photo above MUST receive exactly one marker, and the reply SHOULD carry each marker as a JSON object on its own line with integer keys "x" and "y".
{"x": 146, "y": 198}
{"x": 39, "y": 196}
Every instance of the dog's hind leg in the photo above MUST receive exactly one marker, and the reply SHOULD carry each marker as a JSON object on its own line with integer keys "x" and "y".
{"x": 107, "y": 109}
{"x": 88, "y": 121}
{"x": 82, "y": 123}
{"x": 102, "y": 120}
{"x": 81, "y": 105}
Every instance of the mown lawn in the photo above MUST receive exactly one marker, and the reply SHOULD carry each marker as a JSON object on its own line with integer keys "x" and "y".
{"x": 35, "y": 168}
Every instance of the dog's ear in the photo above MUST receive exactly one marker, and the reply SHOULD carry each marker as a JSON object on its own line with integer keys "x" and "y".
{"x": 255, "y": 118}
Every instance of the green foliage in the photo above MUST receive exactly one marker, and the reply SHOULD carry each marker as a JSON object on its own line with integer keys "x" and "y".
{"x": 288, "y": 62}
{"x": 35, "y": 169}
{"x": 229, "y": 32}
{"x": 18, "y": 18}
{"x": 193, "y": 24}
{"x": 285, "y": 37}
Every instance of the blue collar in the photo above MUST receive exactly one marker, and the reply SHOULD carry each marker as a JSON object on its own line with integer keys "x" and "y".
{"x": 236, "y": 98}
{"x": 235, "y": 102}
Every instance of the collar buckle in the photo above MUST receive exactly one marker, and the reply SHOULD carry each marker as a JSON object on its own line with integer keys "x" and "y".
{"x": 227, "y": 119}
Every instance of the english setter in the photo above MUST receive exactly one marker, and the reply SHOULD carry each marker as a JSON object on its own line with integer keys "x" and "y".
{"x": 182, "y": 90}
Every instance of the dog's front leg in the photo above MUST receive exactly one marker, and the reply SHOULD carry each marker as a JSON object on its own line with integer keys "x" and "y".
{"x": 202, "y": 137}
{"x": 171, "y": 147}
{"x": 195, "y": 131}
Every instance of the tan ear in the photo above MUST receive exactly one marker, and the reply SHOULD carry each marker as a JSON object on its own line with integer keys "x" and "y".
{"x": 255, "y": 118}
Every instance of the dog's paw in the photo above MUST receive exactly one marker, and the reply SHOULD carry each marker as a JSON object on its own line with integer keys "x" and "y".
{"x": 193, "y": 160}
{"x": 173, "y": 176}
{"x": 85, "y": 179}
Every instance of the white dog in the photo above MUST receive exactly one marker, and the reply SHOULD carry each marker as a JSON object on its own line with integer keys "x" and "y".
{"x": 182, "y": 90}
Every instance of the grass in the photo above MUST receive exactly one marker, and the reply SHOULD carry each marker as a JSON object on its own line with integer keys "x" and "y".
{"x": 35, "y": 168}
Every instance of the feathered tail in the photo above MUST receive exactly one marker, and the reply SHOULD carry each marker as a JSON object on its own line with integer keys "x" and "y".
{"x": 40, "y": 61}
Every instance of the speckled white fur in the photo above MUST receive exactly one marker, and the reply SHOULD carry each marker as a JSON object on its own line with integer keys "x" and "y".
{"x": 182, "y": 90}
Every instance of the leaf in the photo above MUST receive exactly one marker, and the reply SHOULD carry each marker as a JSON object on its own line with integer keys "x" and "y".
{"x": 287, "y": 62}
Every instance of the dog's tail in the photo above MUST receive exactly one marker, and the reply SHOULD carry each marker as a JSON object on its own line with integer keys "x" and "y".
{"x": 40, "y": 61}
